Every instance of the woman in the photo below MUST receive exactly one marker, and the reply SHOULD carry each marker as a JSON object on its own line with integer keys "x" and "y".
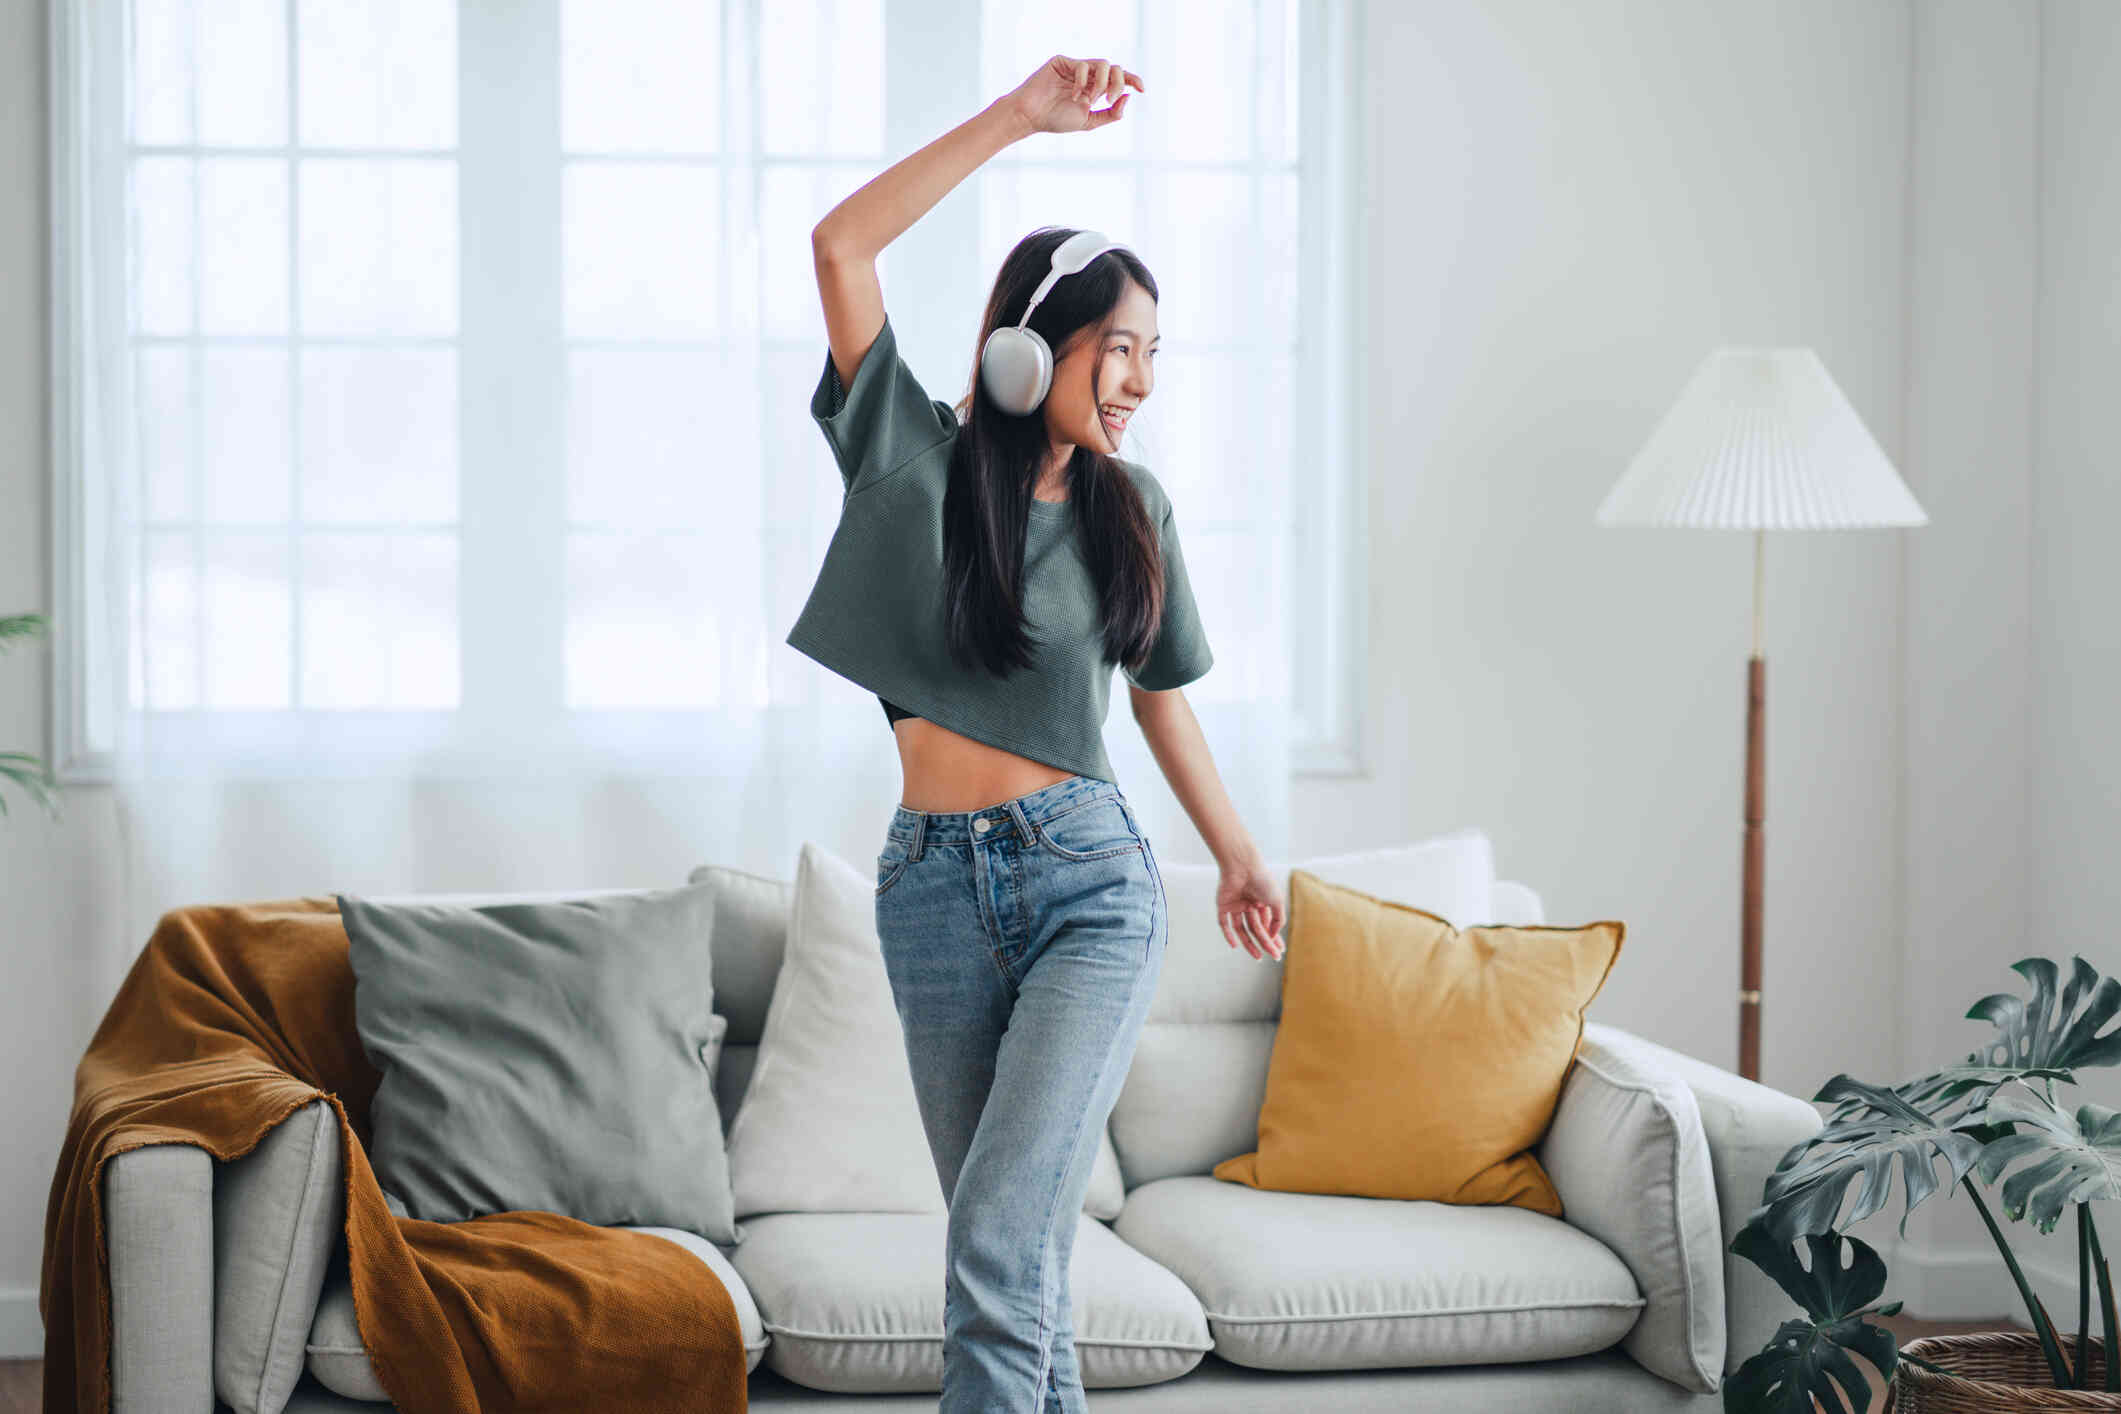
{"x": 987, "y": 573}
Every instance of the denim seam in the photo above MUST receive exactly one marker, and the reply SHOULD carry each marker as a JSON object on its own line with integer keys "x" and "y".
{"x": 1053, "y": 1214}
{"x": 988, "y": 925}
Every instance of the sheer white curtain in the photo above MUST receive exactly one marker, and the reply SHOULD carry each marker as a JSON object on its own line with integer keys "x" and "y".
{"x": 447, "y": 479}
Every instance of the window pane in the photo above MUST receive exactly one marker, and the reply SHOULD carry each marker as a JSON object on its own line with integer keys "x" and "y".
{"x": 163, "y": 408}
{"x": 643, "y": 251}
{"x": 163, "y": 46}
{"x": 640, "y": 76}
{"x": 244, "y": 421}
{"x": 382, "y": 73}
{"x": 1203, "y": 224}
{"x": 663, "y": 439}
{"x": 1280, "y": 206}
{"x": 1280, "y": 68}
{"x": 1206, "y": 456}
{"x": 1210, "y": 93}
{"x": 243, "y": 245}
{"x": 379, "y": 621}
{"x": 162, "y": 243}
{"x": 821, "y": 87}
{"x": 243, "y": 100}
{"x": 650, "y": 617}
{"x": 379, "y": 246}
{"x": 247, "y": 620}
{"x": 169, "y": 640}
{"x": 379, "y": 435}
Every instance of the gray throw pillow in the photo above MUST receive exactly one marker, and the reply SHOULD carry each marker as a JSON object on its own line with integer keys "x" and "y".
{"x": 552, "y": 1055}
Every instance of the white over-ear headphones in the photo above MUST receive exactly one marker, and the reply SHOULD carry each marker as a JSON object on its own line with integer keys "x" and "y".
{"x": 1016, "y": 366}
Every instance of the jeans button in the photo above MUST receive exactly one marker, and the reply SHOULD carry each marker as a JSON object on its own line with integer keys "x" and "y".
{"x": 981, "y": 825}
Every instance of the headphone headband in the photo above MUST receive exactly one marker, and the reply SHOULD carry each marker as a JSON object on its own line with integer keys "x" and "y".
{"x": 1069, "y": 256}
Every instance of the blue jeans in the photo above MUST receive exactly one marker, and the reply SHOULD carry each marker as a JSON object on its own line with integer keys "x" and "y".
{"x": 1023, "y": 941}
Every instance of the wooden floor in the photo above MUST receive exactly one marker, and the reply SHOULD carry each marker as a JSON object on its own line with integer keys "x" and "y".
{"x": 21, "y": 1380}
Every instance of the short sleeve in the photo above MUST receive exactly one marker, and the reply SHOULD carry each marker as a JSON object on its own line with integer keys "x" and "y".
{"x": 884, "y": 420}
{"x": 1181, "y": 652}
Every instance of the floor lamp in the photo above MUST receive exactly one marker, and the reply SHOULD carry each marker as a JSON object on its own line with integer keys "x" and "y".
{"x": 1760, "y": 440}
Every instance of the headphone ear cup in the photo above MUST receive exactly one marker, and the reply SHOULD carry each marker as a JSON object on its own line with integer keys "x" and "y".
{"x": 1016, "y": 369}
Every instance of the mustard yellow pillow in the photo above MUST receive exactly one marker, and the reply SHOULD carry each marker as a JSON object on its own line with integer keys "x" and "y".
{"x": 1415, "y": 1059}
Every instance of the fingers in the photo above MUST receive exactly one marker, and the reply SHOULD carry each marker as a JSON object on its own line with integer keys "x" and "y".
{"x": 1250, "y": 927}
{"x": 1256, "y": 931}
{"x": 1093, "y": 79}
{"x": 1103, "y": 116}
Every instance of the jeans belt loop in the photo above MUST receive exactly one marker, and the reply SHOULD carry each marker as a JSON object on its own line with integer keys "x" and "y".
{"x": 920, "y": 830}
{"x": 1023, "y": 821}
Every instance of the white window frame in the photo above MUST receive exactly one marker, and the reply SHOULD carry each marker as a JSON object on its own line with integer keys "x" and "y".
{"x": 1329, "y": 542}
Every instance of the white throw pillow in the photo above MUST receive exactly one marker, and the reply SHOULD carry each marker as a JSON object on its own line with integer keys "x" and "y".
{"x": 829, "y": 1123}
{"x": 1452, "y": 876}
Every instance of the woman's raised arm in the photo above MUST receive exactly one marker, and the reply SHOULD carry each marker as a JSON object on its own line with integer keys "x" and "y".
{"x": 844, "y": 246}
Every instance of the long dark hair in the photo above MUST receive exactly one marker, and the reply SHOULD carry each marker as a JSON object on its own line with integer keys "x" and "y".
{"x": 995, "y": 464}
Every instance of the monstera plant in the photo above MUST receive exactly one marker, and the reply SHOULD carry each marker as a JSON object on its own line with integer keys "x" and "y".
{"x": 1994, "y": 1110}
{"x": 20, "y": 767}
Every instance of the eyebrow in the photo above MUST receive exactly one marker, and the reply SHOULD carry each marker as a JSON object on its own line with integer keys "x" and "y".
{"x": 1135, "y": 334}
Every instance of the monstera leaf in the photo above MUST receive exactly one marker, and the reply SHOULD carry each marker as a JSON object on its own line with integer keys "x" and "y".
{"x": 1803, "y": 1195}
{"x": 2039, "y": 1037}
{"x": 1808, "y": 1358}
{"x": 2078, "y": 1157}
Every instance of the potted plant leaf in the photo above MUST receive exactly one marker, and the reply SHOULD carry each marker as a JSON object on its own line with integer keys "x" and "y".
{"x": 1993, "y": 1111}
{"x": 23, "y": 769}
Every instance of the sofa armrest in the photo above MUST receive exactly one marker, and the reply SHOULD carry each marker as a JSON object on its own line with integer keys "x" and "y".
{"x": 158, "y": 1227}
{"x": 1627, "y": 1156}
{"x": 279, "y": 1213}
{"x": 1749, "y": 1127}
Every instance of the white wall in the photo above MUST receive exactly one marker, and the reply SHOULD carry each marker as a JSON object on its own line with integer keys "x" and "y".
{"x": 1570, "y": 205}
{"x": 1973, "y": 282}
{"x": 1571, "y": 201}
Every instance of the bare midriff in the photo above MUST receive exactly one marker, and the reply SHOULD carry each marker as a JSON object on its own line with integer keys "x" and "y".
{"x": 944, "y": 771}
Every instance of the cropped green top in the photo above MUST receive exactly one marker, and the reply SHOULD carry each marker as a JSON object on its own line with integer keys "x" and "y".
{"x": 875, "y": 614}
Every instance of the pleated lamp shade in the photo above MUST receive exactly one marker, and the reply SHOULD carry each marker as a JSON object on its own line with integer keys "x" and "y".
{"x": 1761, "y": 439}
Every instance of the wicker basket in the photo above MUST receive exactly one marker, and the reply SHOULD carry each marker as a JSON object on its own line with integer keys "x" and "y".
{"x": 1993, "y": 1370}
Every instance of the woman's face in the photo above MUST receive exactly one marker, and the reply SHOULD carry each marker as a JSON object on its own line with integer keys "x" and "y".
{"x": 1126, "y": 370}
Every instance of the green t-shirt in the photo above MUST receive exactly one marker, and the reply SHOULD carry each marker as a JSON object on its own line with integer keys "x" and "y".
{"x": 875, "y": 615}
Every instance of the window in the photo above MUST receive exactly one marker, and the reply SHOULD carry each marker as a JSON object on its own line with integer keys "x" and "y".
{"x": 432, "y": 377}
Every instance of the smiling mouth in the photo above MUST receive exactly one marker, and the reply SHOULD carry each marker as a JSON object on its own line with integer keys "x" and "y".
{"x": 1114, "y": 425}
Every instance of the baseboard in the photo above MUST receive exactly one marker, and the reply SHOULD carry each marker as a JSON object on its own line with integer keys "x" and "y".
{"x": 21, "y": 1327}
{"x": 1972, "y": 1284}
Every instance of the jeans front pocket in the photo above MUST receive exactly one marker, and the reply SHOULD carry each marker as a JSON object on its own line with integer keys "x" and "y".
{"x": 1099, "y": 828}
{"x": 891, "y": 865}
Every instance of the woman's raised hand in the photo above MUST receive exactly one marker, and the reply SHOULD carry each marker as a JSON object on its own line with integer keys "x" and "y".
{"x": 1057, "y": 97}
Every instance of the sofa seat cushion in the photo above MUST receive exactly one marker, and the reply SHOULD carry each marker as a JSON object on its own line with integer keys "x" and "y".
{"x": 853, "y": 1303}
{"x": 339, "y": 1360}
{"x": 1304, "y": 1281}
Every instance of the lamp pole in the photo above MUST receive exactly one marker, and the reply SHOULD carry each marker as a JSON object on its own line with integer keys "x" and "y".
{"x": 1755, "y": 837}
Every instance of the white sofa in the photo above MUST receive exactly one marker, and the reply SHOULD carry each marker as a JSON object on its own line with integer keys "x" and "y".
{"x": 1200, "y": 1295}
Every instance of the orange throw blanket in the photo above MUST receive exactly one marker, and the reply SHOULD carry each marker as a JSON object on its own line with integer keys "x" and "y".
{"x": 234, "y": 1017}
